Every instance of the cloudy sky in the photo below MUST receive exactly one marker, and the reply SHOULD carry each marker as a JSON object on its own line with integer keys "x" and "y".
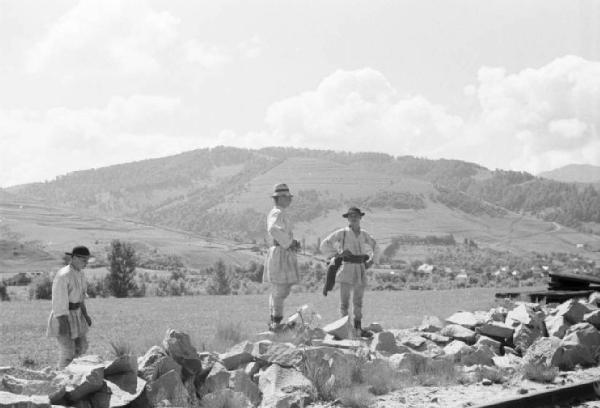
{"x": 507, "y": 84}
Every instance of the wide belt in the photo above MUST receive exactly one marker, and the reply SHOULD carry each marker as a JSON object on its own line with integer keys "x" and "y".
{"x": 74, "y": 306}
{"x": 275, "y": 243}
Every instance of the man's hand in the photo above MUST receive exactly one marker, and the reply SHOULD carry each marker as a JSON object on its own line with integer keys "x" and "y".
{"x": 295, "y": 246}
{"x": 63, "y": 326}
{"x": 88, "y": 319}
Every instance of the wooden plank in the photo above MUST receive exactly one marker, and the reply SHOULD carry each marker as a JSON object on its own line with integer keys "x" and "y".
{"x": 574, "y": 277}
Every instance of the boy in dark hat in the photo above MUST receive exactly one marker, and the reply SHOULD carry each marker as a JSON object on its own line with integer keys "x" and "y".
{"x": 281, "y": 263}
{"x": 69, "y": 320}
{"x": 358, "y": 251}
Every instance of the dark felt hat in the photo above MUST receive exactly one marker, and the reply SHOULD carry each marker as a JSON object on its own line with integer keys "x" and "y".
{"x": 353, "y": 210}
{"x": 79, "y": 251}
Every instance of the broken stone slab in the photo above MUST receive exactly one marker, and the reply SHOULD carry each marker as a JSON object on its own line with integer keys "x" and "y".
{"x": 411, "y": 362}
{"x": 593, "y": 318}
{"x": 525, "y": 313}
{"x": 283, "y": 354}
{"x": 465, "y": 319}
{"x": 46, "y": 374}
{"x": 556, "y": 325}
{"x": 431, "y": 324}
{"x": 553, "y": 352}
{"x": 242, "y": 382}
{"x": 168, "y": 387}
{"x": 336, "y": 365}
{"x": 178, "y": 345}
{"x": 123, "y": 388}
{"x": 455, "y": 350}
{"x": 496, "y": 329}
{"x": 415, "y": 342}
{"x": 525, "y": 335}
{"x": 340, "y": 328}
{"x": 217, "y": 379}
{"x": 83, "y": 376}
{"x": 436, "y": 338}
{"x": 238, "y": 355}
{"x": 584, "y": 334}
{"x": 10, "y": 400}
{"x": 494, "y": 345}
{"x": 26, "y": 387}
{"x": 478, "y": 355}
{"x": 285, "y": 387}
{"x": 572, "y": 310}
{"x": 507, "y": 361}
{"x": 459, "y": 332}
{"x": 156, "y": 363}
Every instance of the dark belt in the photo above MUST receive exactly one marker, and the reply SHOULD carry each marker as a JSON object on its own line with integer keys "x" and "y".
{"x": 74, "y": 306}
{"x": 275, "y": 243}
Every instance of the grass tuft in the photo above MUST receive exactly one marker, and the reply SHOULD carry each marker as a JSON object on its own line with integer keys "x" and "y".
{"x": 227, "y": 334}
{"x": 120, "y": 348}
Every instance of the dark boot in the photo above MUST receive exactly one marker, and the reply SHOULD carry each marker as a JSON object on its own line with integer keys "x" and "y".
{"x": 360, "y": 331}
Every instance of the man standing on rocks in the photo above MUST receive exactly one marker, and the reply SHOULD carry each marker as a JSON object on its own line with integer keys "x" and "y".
{"x": 281, "y": 264}
{"x": 69, "y": 320}
{"x": 358, "y": 251}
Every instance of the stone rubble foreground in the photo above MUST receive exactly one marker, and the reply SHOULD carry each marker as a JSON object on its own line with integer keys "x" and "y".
{"x": 280, "y": 370}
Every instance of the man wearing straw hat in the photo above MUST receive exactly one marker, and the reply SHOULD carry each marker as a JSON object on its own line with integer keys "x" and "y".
{"x": 358, "y": 251}
{"x": 281, "y": 264}
{"x": 69, "y": 320}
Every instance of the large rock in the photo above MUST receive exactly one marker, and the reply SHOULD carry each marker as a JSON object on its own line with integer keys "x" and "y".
{"x": 126, "y": 363}
{"x": 335, "y": 365}
{"x": 238, "y": 355}
{"x": 525, "y": 313}
{"x": 178, "y": 345}
{"x": 411, "y": 362}
{"x": 459, "y": 332}
{"x": 465, "y": 319}
{"x": 156, "y": 363}
{"x": 593, "y": 318}
{"x": 431, "y": 324}
{"x": 507, "y": 361}
{"x": 10, "y": 400}
{"x": 84, "y": 376}
{"x": 455, "y": 350}
{"x": 123, "y": 389}
{"x": 556, "y": 325}
{"x": 494, "y": 345}
{"x": 385, "y": 342}
{"x": 553, "y": 352}
{"x": 340, "y": 329}
{"x": 496, "y": 330}
{"x": 217, "y": 379}
{"x": 584, "y": 334}
{"x": 285, "y": 388}
{"x": 415, "y": 342}
{"x": 478, "y": 355}
{"x": 168, "y": 387}
{"x": 572, "y": 310}
{"x": 283, "y": 354}
{"x": 525, "y": 335}
{"x": 242, "y": 382}
{"x": 436, "y": 338}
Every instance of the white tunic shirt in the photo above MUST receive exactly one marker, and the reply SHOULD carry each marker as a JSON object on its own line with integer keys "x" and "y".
{"x": 69, "y": 286}
{"x": 359, "y": 244}
{"x": 281, "y": 263}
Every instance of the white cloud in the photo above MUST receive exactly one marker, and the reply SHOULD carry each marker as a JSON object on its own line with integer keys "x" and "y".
{"x": 251, "y": 48}
{"x": 360, "y": 110}
{"x": 38, "y": 145}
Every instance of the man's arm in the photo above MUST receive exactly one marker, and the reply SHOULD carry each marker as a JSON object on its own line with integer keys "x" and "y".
{"x": 60, "y": 304}
{"x": 276, "y": 228}
{"x": 329, "y": 245}
{"x": 86, "y": 316}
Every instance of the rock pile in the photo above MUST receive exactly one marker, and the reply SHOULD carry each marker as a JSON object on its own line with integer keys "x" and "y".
{"x": 306, "y": 366}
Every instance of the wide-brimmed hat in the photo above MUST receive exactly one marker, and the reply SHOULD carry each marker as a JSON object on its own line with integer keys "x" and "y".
{"x": 79, "y": 251}
{"x": 353, "y": 210}
{"x": 281, "y": 190}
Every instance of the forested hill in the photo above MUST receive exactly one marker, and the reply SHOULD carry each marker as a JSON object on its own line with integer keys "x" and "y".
{"x": 574, "y": 173}
{"x": 224, "y": 191}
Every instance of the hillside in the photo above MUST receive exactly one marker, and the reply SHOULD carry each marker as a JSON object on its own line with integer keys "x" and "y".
{"x": 224, "y": 193}
{"x": 574, "y": 173}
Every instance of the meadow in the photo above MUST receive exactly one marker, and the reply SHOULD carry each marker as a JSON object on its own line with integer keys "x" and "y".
{"x": 142, "y": 322}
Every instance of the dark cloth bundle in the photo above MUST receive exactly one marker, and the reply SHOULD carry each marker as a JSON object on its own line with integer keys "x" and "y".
{"x": 334, "y": 266}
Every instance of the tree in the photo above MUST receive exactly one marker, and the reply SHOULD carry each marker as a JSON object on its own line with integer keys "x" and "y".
{"x": 122, "y": 262}
{"x": 220, "y": 283}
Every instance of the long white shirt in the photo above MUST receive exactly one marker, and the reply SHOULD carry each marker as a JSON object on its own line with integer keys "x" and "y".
{"x": 69, "y": 286}
{"x": 281, "y": 263}
{"x": 359, "y": 244}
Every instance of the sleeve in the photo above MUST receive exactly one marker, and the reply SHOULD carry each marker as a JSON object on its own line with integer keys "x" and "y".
{"x": 331, "y": 244}
{"x": 374, "y": 253}
{"x": 277, "y": 229}
{"x": 60, "y": 295}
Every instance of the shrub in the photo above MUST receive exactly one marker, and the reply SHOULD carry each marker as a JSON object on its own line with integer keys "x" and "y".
{"x": 4, "y": 296}
{"x": 220, "y": 283}
{"x": 122, "y": 260}
{"x": 41, "y": 287}
{"x": 120, "y": 348}
{"x": 98, "y": 287}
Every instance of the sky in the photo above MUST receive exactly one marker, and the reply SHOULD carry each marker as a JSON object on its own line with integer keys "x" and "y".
{"x": 506, "y": 84}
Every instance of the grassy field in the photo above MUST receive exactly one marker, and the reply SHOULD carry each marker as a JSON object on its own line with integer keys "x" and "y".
{"x": 143, "y": 321}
